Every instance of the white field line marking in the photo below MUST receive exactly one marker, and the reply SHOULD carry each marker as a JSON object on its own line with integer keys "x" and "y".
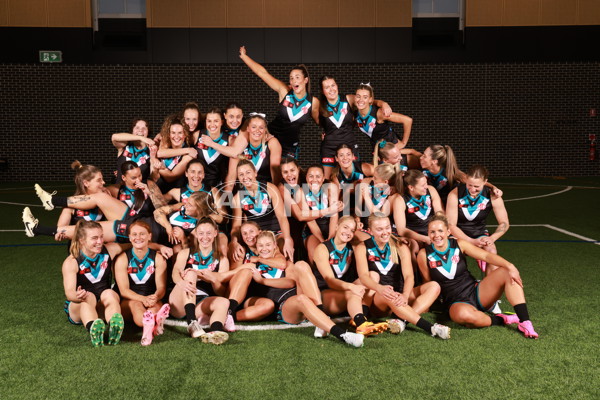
{"x": 543, "y": 195}
{"x": 30, "y": 188}
{"x": 546, "y": 185}
{"x": 20, "y": 204}
{"x": 554, "y": 228}
{"x": 11, "y": 230}
{"x": 279, "y": 326}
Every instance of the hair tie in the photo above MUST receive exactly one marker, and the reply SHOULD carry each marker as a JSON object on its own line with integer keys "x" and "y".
{"x": 382, "y": 144}
{"x": 255, "y": 114}
{"x": 366, "y": 84}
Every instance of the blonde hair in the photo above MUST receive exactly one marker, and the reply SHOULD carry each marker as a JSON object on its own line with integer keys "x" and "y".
{"x": 81, "y": 229}
{"x": 445, "y": 158}
{"x": 394, "y": 242}
{"x": 83, "y": 173}
{"x": 381, "y": 151}
{"x": 194, "y": 247}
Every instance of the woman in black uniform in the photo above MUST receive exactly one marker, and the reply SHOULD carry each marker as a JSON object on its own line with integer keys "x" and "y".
{"x": 467, "y": 208}
{"x": 234, "y": 116}
{"x": 403, "y": 159}
{"x": 296, "y": 105}
{"x": 136, "y": 146}
{"x": 87, "y": 279}
{"x": 215, "y": 162}
{"x": 175, "y": 151}
{"x": 444, "y": 261}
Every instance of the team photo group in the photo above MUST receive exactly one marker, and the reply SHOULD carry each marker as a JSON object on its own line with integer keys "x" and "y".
{"x": 213, "y": 221}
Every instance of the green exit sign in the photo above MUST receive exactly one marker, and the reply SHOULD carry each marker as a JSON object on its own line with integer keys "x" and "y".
{"x": 50, "y": 56}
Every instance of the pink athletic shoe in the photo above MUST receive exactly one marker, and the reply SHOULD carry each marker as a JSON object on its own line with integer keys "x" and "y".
{"x": 509, "y": 318}
{"x": 229, "y": 323}
{"x": 160, "y": 317}
{"x": 204, "y": 320}
{"x": 148, "y": 332}
{"x": 482, "y": 265}
{"x": 527, "y": 328}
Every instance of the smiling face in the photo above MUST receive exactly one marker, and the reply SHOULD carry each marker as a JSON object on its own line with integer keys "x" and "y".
{"x": 393, "y": 156}
{"x": 233, "y": 117}
{"x": 91, "y": 244}
{"x": 265, "y": 247}
{"x": 381, "y": 229}
{"x": 256, "y": 129}
{"x": 249, "y": 233}
{"x": 344, "y": 157}
{"x": 177, "y": 135}
{"x": 214, "y": 123}
{"x": 195, "y": 175}
{"x": 330, "y": 90}
{"x": 139, "y": 237}
{"x": 205, "y": 234}
{"x": 94, "y": 185}
{"x": 419, "y": 189}
{"x": 140, "y": 128}
{"x": 290, "y": 173}
{"x": 345, "y": 231}
{"x": 363, "y": 99}
{"x": 298, "y": 81}
{"x": 191, "y": 117}
{"x": 475, "y": 185}
{"x": 314, "y": 178}
{"x": 438, "y": 233}
{"x": 246, "y": 175}
{"x": 426, "y": 159}
{"x": 131, "y": 177}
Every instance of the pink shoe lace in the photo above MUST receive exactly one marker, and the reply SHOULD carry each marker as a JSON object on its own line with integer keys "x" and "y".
{"x": 148, "y": 330}
{"x": 161, "y": 316}
{"x": 527, "y": 328}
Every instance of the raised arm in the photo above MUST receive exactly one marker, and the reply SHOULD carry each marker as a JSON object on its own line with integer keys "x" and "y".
{"x": 260, "y": 71}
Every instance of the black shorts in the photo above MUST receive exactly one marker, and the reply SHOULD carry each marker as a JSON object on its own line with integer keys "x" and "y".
{"x": 470, "y": 296}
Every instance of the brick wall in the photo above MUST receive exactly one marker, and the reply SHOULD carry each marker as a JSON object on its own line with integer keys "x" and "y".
{"x": 528, "y": 119}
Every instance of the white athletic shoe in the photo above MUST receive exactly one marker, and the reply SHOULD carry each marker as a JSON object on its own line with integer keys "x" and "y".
{"x": 194, "y": 329}
{"x": 353, "y": 339}
{"x": 214, "y": 337}
{"x": 29, "y": 221}
{"x": 441, "y": 331}
{"x": 496, "y": 309}
{"x": 229, "y": 323}
{"x": 45, "y": 197}
{"x": 320, "y": 333}
{"x": 396, "y": 326}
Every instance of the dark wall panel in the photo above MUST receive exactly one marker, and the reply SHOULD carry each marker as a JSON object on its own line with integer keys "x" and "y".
{"x": 208, "y": 45}
{"x": 283, "y": 45}
{"x": 170, "y": 45}
{"x": 320, "y": 45}
{"x": 357, "y": 45}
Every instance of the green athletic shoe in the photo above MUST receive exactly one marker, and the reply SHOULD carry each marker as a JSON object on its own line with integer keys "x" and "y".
{"x": 115, "y": 328}
{"x": 97, "y": 333}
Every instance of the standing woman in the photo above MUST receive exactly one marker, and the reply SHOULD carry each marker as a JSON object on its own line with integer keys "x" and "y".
{"x": 384, "y": 267}
{"x": 215, "y": 162}
{"x": 234, "y": 116}
{"x": 444, "y": 261}
{"x": 373, "y": 122}
{"x": 336, "y": 118}
{"x": 198, "y": 288}
{"x": 191, "y": 116}
{"x": 291, "y": 192}
{"x": 141, "y": 277}
{"x": 176, "y": 150}
{"x": 467, "y": 208}
{"x": 296, "y": 105}
{"x": 262, "y": 203}
{"x": 136, "y": 146}
{"x": 87, "y": 277}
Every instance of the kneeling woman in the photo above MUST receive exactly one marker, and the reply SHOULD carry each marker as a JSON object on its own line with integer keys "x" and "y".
{"x": 87, "y": 278}
{"x": 198, "y": 286}
{"x": 384, "y": 267}
{"x": 444, "y": 261}
{"x": 141, "y": 279}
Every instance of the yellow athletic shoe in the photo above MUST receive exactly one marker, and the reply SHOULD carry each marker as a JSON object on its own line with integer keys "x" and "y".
{"x": 369, "y": 329}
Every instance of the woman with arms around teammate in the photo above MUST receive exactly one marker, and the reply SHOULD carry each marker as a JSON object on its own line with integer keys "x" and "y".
{"x": 384, "y": 267}
{"x": 136, "y": 146}
{"x": 175, "y": 151}
{"x": 87, "y": 279}
{"x": 444, "y": 261}
{"x": 296, "y": 105}
{"x": 141, "y": 279}
{"x": 215, "y": 162}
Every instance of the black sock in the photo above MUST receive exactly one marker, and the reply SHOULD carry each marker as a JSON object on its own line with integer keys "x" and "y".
{"x": 216, "y": 326}
{"x": 44, "y": 230}
{"x": 59, "y": 201}
{"x": 337, "y": 332}
{"x": 496, "y": 320}
{"x": 320, "y": 307}
{"x": 366, "y": 311}
{"x": 190, "y": 312}
{"x": 233, "y": 305}
{"x": 522, "y": 312}
{"x": 359, "y": 319}
{"x": 88, "y": 326}
{"x": 425, "y": 325}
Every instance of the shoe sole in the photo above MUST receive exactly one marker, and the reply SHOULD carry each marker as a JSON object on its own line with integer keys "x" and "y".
{"x": 161, "y": 316}
{"x": 97, "y": 333}
{"x": 396, "y": 328}
{"x": 373, "y": 330}
{"x": 48, "y": 206}
{"x": 527, "y": 334}
{"x": 115, "y": 330}
{"x": 216, "y": 338}
{"x": 30, "y": 223}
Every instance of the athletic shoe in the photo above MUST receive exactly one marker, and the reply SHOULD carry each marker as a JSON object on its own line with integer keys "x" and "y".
{"x": 194, "y": 329}
{"x": 396, "y": 326}
{"x": 496, "y": 308}
{"x": 369, "y": 329}
{"x": 115, "y": 328}
{"x": 482, "y": 265}
{"x": 527, "y": 328}
{"x": 215, "y": 337}
{"x": 204, "y": 320}
{"x": 29, "y": 221}
{"x": 45, "y": 197}
{"x": 441, "y": 331}
{"x": 353, "y": 339}
{"x": 320, "y": 333}
{"x": 148, "y": 331}
{"x": 97, "y": 333}
{"x": 229, "y": 323}
{"x": 160, "y": 318}
{"x": 509, "y": 319}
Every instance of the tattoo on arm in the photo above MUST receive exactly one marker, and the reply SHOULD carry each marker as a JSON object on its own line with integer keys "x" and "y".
{"x": 77, "y": 199}
{"x": 501, "y": 228}
{"x": 155, "y": 195}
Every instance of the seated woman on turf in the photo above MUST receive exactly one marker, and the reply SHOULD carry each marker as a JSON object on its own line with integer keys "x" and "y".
{"x": 136, "y": 146}
{"x": 444, "y": 261}
{"x": 403, "y": 159}
{"x": 384, "y": 267}
{"x": 336, "y": 275}
{"x": 467, "y": 208}
{"x": 176, "y": 150}
{"x": 261, "y": 202}
{"x": 87, "y": 278}
{"x": 198, "y": 287}
{"x": 141, "y": 280}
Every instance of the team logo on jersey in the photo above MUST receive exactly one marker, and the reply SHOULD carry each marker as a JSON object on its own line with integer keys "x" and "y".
{"x": 141, "y": 271}
{"x": 339, "y": 266}
{"x": 421, "y": 208}
{"x": 471, "y": 209}
{"x": 296, "y": 109}
{"x": 383, "y": 266}
{"x": 270, "y": 272}
{"x": 171, "y": 163}
{"x": 446, "y": 264}
{"x": 257, "y": 156}
{"x": 210, "y": 154}
{"x": 94, "y": 270}
{"x": 327, "y": 160}
{"x": 338, "y": 113}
